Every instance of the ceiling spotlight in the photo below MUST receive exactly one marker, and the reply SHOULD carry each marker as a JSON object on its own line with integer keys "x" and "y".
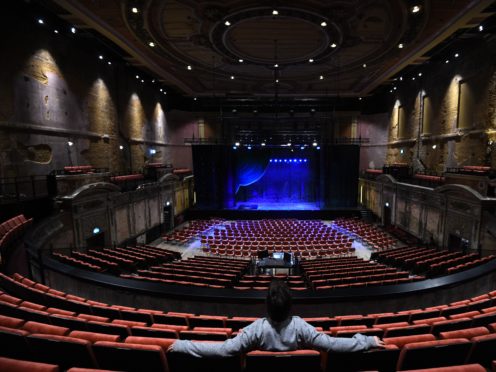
{"x": 249, "y": 147}
{"x": 121, "y": 147}
{"x": 189, "y": 67}
{"x": 401, "y": 78}
{"x": 334, "y": 45}
{"x": 434, "y": 147}
{"x": 413, "y": 78}
{"x": 40, "y": 21}
{"x": 227, "y": 23}
{"x": 73, "y": 30}
{"x": 152, "y": 44}
{"x": 161, "y": 89}
{"x": 134, "y": 10}
{"x": 321, "y": 77}
{"x": 240, "y": 60}
{"x": 323, "y": 23}
{"x": 236, "y": 144}
{"x": 275, "y": 12}
{"x": 262, "y": 144}
{"x": 99, "y": 57}
{"x": 481, "y": 28}
{"x": 277, "y": 80}
{"x": 457, "y": 55}
{"x": 276, "y": 65}
{"x": 70, "y": 143}
{"x": 153, "y": 81}
{"x": 314, "y": 144}
{"x": 165, "y": 92}
{"x": 194, "y": 99}
{"x": 142, "y": 81}
{"x": 56, "y": 31}
{"x": 109, "y": 63}
{"x": 415, "y": 9}
{"x": 364, "y": 65}
{"x": 419, "y": 74}
{"x": 289, "y": 143}
{"x": 137, "y": 76}
{"x": 359, "y": 98}
{"x": 447, "y": 61}
{"x": 310, "y": 60}
{"x": 390, "y": 91}
{"x": 394, "y": 88}
{"x": 232, "y": 77}
{"x": 400, "y": 45}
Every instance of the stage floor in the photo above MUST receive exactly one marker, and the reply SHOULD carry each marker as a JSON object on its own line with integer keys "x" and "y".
{"x": 277, "y": 206}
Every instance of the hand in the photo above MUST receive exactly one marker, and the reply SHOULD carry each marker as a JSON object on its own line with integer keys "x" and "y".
{"x": 379, "y": 343}
{"x": 170, "y": 348}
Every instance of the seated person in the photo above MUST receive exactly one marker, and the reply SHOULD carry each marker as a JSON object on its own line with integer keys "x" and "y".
{"x": 277, "y": 332}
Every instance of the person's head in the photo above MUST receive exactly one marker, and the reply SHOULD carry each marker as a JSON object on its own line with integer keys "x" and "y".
{"x": 278, "y": 301}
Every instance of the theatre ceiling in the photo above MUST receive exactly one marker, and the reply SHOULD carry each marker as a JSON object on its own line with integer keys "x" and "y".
{"x": 260, "y": 48}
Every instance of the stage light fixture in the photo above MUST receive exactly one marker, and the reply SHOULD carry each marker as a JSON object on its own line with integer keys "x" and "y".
{"x": 323, "y": 23}
{"x": 109, "y": 63}
{"x": 415, "y": 9}
{"x": 151, "y": 44}
{"x": 249, "y": 147}
{"x": 457, "y": 55}
{"x": 153, "y": 151}
{"x": 262, "y": 144}
{"x": 302, "y": 148}
{"x": 73, "y": 30}
{"x": 270, "y": 161}
{"x": 240, "y": 60}
{"x": 434, "y": 147}
{"x": 236, "y": 144}
{"x": 364, "y": 65}
{"x": 304, "y": 160}
{"x": 289, "y": 143}
{"x": 359, "y": 98}
{"x": 447, "y": 61}
{"x": 387, "y": 204}
{"x": 419, "y": 74}
{"x": 311, "y": 60}
{"x": 401, "y": 45}
{"x": 168, "y": 203}
{"x": 481, "y": 28}
{"x": 402, "y": 151}
{"x": 334, "y": 45}
{"x": 227, "y": 23}
{"x": 234, "y": 147}
{"x": 189, "y": 67}
{"x": 318, "y": 147}
{"x": 96, "y": 230}
{"x": 276, "y": 65}
{"x": 56, "y": 31}
{"x": 134, "y": 10}
{"x": 275, "y": 12}
{"x": 100, "y": 57}
{"x": 70, "y": 143}
{"x": 40, "y": 21}
{"x": 232, "y": 77}
{"x": 121, "y": 147}
{"x": 321, "y": 77}
{"x": 314, "y": 144}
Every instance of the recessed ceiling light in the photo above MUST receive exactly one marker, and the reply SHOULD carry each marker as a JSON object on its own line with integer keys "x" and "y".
{"x": 194, "y": 99}
{"x": 413, "y": 78}
{"x": 134, "y": 10}
{"x": 323, "y": 23}
{"x": 189, "y": 67}
{"x": 310, "y": 60}
{"x": 275, "y": 12}
{"x": 40, "y": 21}
{"x": 109, "y": 63}
{"x": 481, "y": 28}
{"x": 121, "y": 147}
{"x": 152, "y": 44}
{"x": 276, "y": 65}
{"x": 400, "y": 45}
{"x": 415, "y": 9}
{"x": 447, "y": 61}
{"x": 334, "y": 45}
{"x": 240, "y": 60}
{"x": 73, "y": 30}
{"x": 359, "y": 98}
{"x": 227, "y": 23}
{"x": 137, "y": 76}
{"x": 56, "y": 31}
{"x": 364, "y": 65}
{"x": 100, "y": 57}
{"x": 277, "y": 80}
{"x": 161, "y": 89}
{"x": 321, "y": 77}
{"x": 419, "y": 74}
{"x": 232, "y": 77}
{"x": 457, "y": 55}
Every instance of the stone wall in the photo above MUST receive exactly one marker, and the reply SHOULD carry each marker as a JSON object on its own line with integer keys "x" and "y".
{"x": 444, "y": 118}
{"x": 56, "y": 90}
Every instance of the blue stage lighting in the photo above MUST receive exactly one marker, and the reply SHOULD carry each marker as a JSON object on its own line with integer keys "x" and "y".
{"x": 234, "y": 147}
{"x": 302, "y": 148}
{"x": 295, "y": 160}
{"x": 249, "y": 147}
{"x": 318, "y": 147}
{"x": 270, "y": 160}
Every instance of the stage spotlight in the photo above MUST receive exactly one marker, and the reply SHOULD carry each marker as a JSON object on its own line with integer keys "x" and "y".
{"x": 318, "y": 147}
{"x": 249, "y": 147}
{"x": 270, "y": 161}
{"x": 236, "y": 144}
{"x": 302, "y": 148}
{"x": 314, "y": 144}
{"x": 290, "y": 160}
{"x": 263, "y": 144}
{"x": 234, "y": 147}
{"x": 304, "y": 160}
{"x": 96, "y": 230}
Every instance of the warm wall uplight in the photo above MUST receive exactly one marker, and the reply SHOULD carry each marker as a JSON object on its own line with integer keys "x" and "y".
{"x": 415, "y": 9}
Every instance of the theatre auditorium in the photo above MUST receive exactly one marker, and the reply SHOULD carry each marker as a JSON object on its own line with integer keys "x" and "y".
{"x": 164, "y": 162}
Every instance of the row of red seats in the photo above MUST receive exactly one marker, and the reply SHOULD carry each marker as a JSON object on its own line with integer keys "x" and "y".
{"x": 78, "y": 169}
{"x": 368, "y": 234}
{"x": 127, "y": 178}
{"x": 477, "y": 347}
{"x": 194, "y": 229}
{"x": 12, "y": 229}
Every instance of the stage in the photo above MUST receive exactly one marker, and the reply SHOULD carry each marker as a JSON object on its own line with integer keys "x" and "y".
{"x": 260, "y": 206}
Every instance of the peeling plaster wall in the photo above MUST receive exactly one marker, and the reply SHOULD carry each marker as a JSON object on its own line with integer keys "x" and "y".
{"x": 54, "y": 89}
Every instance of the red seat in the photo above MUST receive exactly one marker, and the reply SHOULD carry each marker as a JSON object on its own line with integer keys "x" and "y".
{"x": 94, "y": 337}
{"x": 35, "y": 327}
{"x": 462, "y": 368}
{"x": 15, "y": 365}
{"x": 468, "y": 333}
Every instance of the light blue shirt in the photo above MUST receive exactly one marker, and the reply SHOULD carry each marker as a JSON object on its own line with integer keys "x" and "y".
{"x": 292, "y": 334}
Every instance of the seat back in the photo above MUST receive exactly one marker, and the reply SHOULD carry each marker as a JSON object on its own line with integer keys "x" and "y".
{"x": 130, "y": 357}
{"x": 382, "y": 360}
{"x": 15, "y": 365}
{"x": 483, "y": 350}
{"x": 288, "y": 361}
{"x": 434, "y": 354}
{"x": 64, "y": 351}
{"x": 14, "y": 344}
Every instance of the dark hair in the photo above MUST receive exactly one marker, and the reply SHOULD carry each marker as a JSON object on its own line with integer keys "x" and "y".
{"x": 278, "y": 301}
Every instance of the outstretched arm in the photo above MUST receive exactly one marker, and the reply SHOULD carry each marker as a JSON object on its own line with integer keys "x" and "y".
{"x": 243, "y": 342}
{"x": 317, "y": 340}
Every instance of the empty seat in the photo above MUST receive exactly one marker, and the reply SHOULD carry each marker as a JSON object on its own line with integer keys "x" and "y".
{"x": 297, "y": 361}
{"x": 375, "y": 359}
{"x": 483, "y": 350}
{"x": 130, "y": 357}
{"x": 16, "y": 365}
{"x": 462, "y": 368}
{"x": 111, "y": 329}
{"x": 434, "y": 354}
{"x": 35, "y": 327}
{"x": 64, "y": 351}
{"x": 94, "y": 337}
{"x": 464, "y": 333}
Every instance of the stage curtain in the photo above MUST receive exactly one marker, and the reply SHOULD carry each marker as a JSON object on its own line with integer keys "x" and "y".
{"x": 251, "y": 166}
